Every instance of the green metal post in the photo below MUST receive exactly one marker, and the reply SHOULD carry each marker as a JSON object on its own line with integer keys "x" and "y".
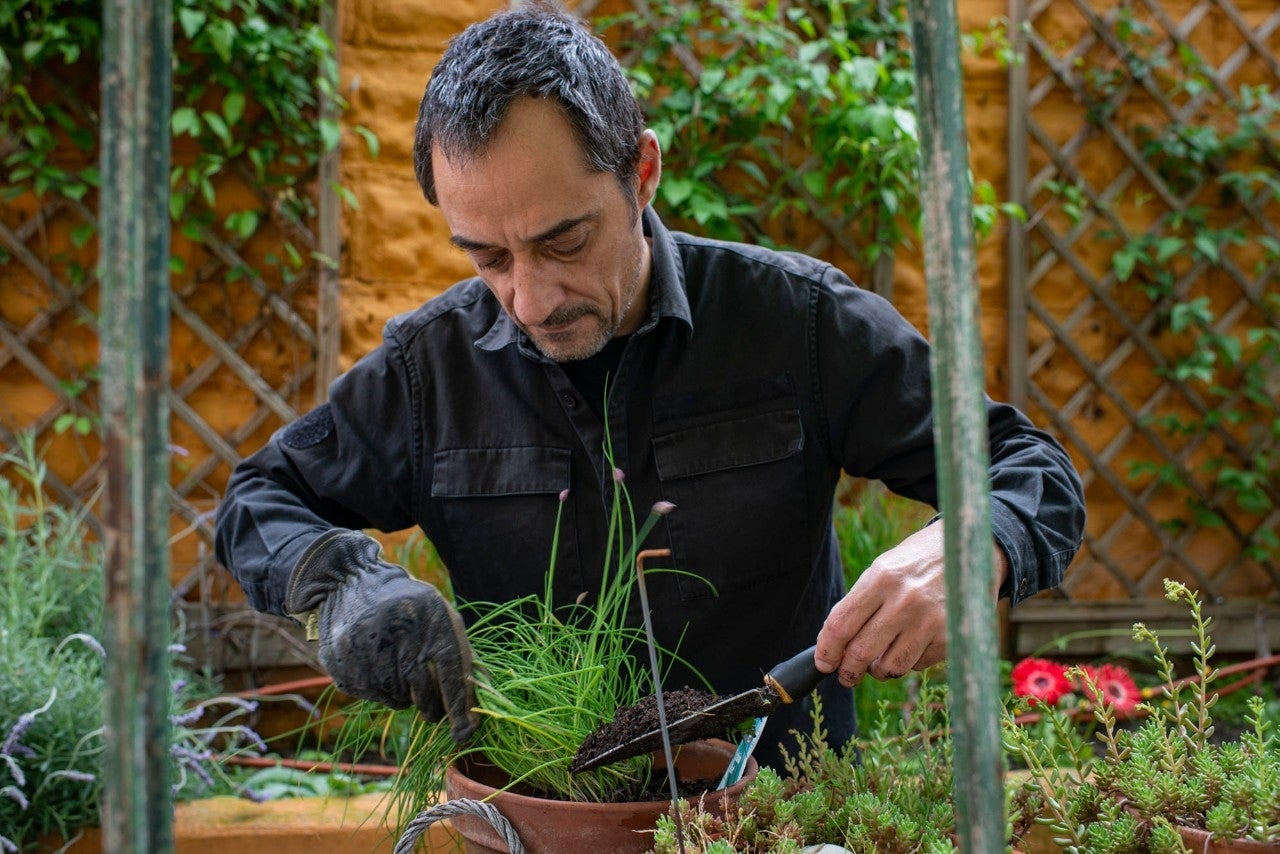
{"x": 133, "y": 236}
{"x": 960, "y": 426}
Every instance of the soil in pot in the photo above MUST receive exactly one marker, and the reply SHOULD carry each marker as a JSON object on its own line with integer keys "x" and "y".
{"x": 548, "y": 826}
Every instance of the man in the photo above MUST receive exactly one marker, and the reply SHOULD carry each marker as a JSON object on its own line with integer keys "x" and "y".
{"x": 740, "y": 382}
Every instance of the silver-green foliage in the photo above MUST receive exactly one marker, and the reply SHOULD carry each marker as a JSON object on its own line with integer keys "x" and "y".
{"x": 50, "y": 661}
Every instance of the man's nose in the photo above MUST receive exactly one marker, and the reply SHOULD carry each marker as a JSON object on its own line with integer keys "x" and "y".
{"x": 534, "y": 293}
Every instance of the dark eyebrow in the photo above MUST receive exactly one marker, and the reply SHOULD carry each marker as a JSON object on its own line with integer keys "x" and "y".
{"x": 564, "y": 225}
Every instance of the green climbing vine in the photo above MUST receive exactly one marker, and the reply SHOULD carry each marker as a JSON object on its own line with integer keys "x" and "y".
{"x": 255, "y": 106}
{"x": 771, "y": 115}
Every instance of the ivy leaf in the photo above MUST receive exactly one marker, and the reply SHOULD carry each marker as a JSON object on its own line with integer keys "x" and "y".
{"x": 1207, "y": 247}
{"x": 330, "y": 134}
{"x": 218, "y": 126}
{"x": 185, "y": 120}
{"x": 370, "y": 138}
{"x": 1167, "y": 247}
{"x": 233, "y": 107}
{"x": 676, "y": 190}
{"x": 191, "y": 20}
{"x": 82, "y": 234}
{"x": 1123, "y": 262}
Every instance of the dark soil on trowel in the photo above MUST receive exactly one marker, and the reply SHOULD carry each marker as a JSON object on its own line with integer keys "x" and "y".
{"x": 633, "y": 721}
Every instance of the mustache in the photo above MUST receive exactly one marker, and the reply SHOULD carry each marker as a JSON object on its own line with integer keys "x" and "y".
{"x": 568, "y": 314}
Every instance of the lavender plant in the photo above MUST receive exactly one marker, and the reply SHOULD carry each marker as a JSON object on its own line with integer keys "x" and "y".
{"x": 51, "y": 675}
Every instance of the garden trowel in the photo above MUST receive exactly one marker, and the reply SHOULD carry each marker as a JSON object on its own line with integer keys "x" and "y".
{"x": 786, "y": 683}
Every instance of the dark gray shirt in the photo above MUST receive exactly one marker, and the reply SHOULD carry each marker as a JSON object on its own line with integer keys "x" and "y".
{"x": 757, "y": 377}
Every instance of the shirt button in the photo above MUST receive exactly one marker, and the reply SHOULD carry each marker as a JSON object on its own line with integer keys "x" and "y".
{"x": 569, "y": 400}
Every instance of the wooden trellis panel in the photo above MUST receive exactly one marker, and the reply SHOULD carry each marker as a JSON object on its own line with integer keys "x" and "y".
{"x": 248, "y": 355}
{"x": 1124, "y": 130}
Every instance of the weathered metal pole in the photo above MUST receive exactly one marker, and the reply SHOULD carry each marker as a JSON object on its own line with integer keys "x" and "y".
{"x": 960, "y": 426}
{"x": 133, "y": 231}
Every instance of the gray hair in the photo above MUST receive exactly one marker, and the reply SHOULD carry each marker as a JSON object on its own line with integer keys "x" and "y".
{"x": 533, "y": 51}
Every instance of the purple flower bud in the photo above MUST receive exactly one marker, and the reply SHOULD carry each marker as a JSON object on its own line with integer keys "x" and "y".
{"x": 618, "y": 475}
{"x": 7, "y": 845}
{"x": 187, "y": 718}
{"x": 15, "y": 770}
{"x": 254, "y": 795}
{"x": 564, "y": 495}
{"x": 11, "y": 740}
{"x": 662, "y": 508}
{"x": 14, "y": 794}
{"x": 253, "y": 738}
{"x": 70, "y": 774}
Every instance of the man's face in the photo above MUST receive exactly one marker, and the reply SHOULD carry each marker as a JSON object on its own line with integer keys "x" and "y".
{"x": 561, "y": 247}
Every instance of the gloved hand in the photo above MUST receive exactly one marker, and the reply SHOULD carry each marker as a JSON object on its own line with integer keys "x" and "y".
{"x": 384, "y": 635}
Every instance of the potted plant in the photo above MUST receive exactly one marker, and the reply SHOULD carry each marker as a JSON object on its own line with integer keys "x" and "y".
{"x": 888, "y": 791}
{"x": 546, "y": 678}
{"x": 1162, "y": 784}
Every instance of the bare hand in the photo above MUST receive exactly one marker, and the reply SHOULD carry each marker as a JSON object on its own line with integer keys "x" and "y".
{"x": 894, "y": 620}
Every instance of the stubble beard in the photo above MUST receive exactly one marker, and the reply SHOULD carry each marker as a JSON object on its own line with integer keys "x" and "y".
{"x": 583, "y": 344}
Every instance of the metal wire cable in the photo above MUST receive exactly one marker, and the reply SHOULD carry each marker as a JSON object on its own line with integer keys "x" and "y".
{"x": 449, "y": 809}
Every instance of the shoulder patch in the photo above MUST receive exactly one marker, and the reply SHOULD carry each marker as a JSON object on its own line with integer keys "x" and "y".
{"x": 309, "y": 430}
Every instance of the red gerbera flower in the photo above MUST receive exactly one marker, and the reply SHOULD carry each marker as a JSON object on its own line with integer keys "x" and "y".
{"x": 1042, "y": 679}
{"x": 1114, "y": 685}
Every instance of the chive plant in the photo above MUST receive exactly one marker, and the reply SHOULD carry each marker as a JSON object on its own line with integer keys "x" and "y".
{"x": 546, "y": 677}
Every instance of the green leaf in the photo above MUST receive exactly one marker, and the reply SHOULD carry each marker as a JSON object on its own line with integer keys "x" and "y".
{"x": 1207, "y": 247}
{"x": 233, "y": 107}
{"x": 242, "y": 223}
{"x": 218, "y": 126}
{"x": 191, "y": 20}
{"x": 222, "y": 34}
{"x": 82, "y": 234}
{"x": 1123, "y": 262}
{"x": 330, "y": 134}
{"x": 1167, "y": 247}
{"x": 185, "y": 120}
{"x": 370, "y": 138}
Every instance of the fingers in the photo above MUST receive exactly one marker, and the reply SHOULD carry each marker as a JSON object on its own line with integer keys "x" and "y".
{"x": 893, "y": 620}
{"x": 444, "y": 677}
{"x": 846, "y": 620}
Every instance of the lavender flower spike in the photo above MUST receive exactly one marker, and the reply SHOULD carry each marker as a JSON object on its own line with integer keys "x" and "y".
{"x": 24, "y": 723}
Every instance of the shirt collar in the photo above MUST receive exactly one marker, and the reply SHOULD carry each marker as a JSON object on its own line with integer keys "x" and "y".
{"x": 667, "y": 296}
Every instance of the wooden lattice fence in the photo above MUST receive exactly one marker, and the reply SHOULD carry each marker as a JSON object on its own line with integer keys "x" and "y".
{"x": 253, "y": 296}
{"x": 1146, "y": 283}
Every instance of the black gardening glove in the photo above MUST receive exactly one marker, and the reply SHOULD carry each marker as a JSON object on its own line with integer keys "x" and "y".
{"x": 384, "y": 635}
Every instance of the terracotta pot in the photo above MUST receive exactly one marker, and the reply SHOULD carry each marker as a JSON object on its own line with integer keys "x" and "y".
{"x": 570, "y": 827}
{"x": 1199, "y": 841}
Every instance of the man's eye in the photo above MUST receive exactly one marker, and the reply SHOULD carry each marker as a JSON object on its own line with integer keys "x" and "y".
{"x": 491, "y": 261}
{"x": 568, "y": 245}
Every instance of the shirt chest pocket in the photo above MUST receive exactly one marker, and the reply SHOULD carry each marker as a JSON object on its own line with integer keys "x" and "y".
{"x": 738, "y": 481}
{"x": 499, "y": 506}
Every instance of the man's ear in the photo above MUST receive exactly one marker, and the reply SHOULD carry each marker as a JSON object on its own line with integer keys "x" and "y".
{"x": 649, "y": 169}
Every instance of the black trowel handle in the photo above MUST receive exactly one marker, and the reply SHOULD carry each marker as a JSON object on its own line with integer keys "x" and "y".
{"x": 794, "y": 678}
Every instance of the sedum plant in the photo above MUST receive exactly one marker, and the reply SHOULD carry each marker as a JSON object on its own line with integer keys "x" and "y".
{"x": 1164, "y": 773}
{"x": 888, "y": 791}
